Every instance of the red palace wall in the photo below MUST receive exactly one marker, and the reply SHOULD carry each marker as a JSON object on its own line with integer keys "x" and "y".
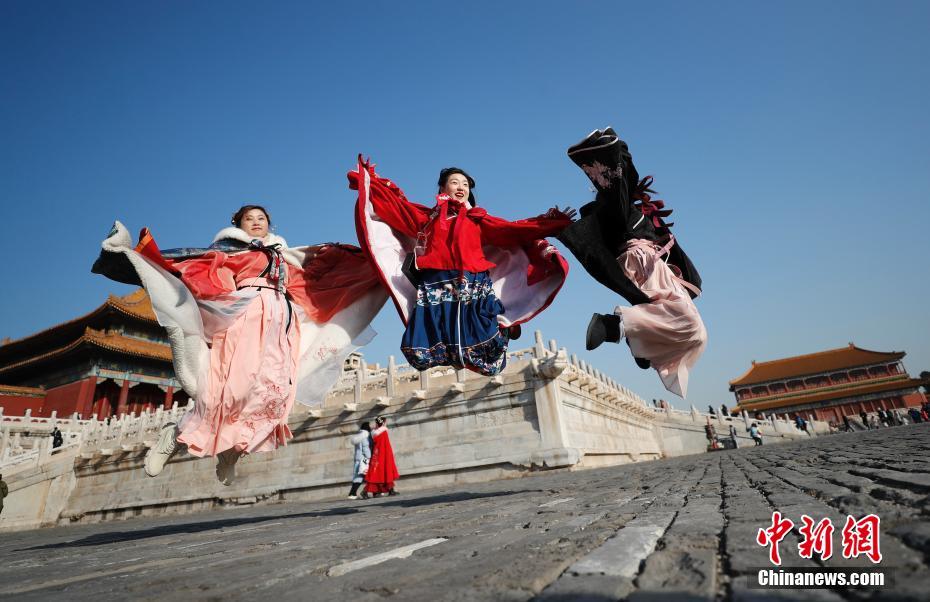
{"x": 16, "y": 405}
{"x": 68, "y": 399}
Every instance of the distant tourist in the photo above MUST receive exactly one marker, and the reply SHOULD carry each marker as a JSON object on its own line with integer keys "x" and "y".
{"x": 57, "y": 438}
{"x": 382, "y": 471}
{"x": 846, "y": 425}
{"x": 361, "y": 457}
{"x": 865, "y": 419}
{"x": 4, "y": 491}
{"x": 711, "y": 433}
{"x": 755, "y": 433}
{"x": 733, "y": 436}
{"x": 801, "y": 424}
{"x": 915, "y": 415}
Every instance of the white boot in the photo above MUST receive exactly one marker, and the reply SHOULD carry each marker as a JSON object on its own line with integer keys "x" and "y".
{"x": 167, "y": 446}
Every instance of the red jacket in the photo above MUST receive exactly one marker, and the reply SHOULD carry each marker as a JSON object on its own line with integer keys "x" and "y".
{"x": 454, "y": 233}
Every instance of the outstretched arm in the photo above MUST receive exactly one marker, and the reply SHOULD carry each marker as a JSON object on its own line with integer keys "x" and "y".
{"x": 498, "y": 231}
{"x": 391, "y": 205}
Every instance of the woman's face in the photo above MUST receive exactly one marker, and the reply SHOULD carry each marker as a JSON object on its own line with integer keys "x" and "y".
{"x": 457, "y": 187}
{"x": 255, "y": 223}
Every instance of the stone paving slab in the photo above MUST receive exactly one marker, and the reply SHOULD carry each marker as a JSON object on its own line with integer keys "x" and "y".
{"x": 683, "y": 528}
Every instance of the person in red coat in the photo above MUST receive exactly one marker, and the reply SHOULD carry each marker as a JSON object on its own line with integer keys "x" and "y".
{"x": 382, "y": 471}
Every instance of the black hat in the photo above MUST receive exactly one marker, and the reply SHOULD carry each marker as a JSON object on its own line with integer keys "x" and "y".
{"x": 606, "y": 160}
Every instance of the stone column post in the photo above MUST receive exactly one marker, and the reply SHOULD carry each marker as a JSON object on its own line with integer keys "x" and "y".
{"x": 391, "y": 384}
{"x": 554, "y": 440}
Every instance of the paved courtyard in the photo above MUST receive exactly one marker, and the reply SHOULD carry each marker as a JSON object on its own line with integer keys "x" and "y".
{"x": 674, "y": 529}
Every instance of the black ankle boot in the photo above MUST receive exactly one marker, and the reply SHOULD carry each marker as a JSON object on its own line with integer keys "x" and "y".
{"x": 643, "y": 363}
{"x": 602, "y": 328}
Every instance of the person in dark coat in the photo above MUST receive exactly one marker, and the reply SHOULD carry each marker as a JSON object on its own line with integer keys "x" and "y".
{"x": 4, "y": 491}
{"x": 57, "y": 438}
{"x": 624, "y": 243}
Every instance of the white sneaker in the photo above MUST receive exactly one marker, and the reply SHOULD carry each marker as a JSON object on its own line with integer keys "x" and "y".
{"x": 353, "y": 497}
{"x": 167, "y": 446}
{"x": 226, "y": 466}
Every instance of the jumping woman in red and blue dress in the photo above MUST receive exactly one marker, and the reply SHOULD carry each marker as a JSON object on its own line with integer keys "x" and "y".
{"x": 462, "y": 280}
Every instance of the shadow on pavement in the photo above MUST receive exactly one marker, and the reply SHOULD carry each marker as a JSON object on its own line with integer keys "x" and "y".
{"x": 448, "y": 498}
{"x": 212, "y": 525}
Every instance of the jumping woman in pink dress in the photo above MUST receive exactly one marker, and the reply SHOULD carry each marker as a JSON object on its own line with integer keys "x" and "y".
{"x": 254, "y": 325}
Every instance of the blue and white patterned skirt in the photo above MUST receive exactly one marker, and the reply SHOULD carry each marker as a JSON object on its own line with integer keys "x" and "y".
{"x": 454, "y": 323}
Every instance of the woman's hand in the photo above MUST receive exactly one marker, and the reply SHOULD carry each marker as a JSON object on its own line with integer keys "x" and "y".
{"x": 567, "y": 212}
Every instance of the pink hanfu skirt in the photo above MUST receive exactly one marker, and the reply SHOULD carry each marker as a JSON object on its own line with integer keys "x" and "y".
{"x": 250, "y": 388}
{"x": 669, "y": 331}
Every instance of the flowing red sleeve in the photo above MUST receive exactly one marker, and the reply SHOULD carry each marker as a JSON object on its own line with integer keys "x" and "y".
{"x": 500, "y": 232}
{"x": 205, "y": 276}
{"x": 335, "y": 277}
{"x": 391, "y": 205}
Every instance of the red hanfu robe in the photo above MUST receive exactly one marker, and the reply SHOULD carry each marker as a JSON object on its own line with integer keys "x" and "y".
{"x": 382, "y": 471}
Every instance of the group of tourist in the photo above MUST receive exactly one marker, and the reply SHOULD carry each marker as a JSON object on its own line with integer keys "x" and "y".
{"x": 886, "y": 418}
{"x": 373, "y": 461}
{"x": 256, "y": 324}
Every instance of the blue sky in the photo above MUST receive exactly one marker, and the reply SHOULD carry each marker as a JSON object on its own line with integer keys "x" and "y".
{"x": 790, "y": 138}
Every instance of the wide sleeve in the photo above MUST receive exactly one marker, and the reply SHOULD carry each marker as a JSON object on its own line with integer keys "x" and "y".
{"x": 500, "y": 232}
{"x": 206, "y": 275}
{"x": 333, "y": 277}
{"x": 391, "y": 205}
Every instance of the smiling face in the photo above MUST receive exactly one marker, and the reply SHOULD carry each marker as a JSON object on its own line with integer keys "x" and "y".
{"x": 457, "y": 187}
{"x": 255, "y": 223}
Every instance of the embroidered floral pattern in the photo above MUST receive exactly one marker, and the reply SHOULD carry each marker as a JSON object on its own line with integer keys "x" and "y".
{"x": 488, "y": 358}
{"x": 455, "y": 323}
{"x": 601, "y": 175}
{"x": 451, "y": 291}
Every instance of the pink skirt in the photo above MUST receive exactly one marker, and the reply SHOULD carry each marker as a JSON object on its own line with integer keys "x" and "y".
{"x": 669, "y": 331}
{"x": 250, "y": 388}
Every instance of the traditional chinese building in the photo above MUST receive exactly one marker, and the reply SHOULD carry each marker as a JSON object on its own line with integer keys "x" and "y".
{"x": 113, "y": 360}
{"x": 828, "y": 384}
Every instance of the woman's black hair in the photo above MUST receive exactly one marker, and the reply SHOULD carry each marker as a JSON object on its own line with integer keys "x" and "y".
{"x": 365, "y": 426}
{"x": 238, "y": 215}
{"x": 448, "y": 172}
{"x": 380, "y": 420}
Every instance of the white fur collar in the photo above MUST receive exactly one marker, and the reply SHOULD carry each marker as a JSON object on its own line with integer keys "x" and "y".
{"x": 295, "y": 256}
{"x": 358, "y": 437}
{"x": 241, "y": 235}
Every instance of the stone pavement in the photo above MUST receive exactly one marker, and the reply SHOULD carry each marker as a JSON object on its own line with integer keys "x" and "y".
{"x": 683, "y": 528}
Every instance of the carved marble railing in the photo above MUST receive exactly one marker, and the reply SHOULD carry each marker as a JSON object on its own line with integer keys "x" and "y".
{"x": 400, "y": 382}
{"x": 771, "y": 424}
{"x": 26, "y": 440}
